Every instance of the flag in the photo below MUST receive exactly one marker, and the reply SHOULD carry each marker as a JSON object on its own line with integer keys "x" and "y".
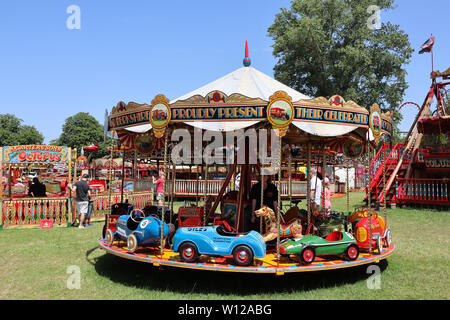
{"x": 427, "y": 45}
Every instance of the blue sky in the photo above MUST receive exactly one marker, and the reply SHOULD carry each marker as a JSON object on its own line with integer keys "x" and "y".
{"x": 134, "y": 50}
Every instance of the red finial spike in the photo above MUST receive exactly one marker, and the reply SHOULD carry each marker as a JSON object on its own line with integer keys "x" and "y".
{"x": 247, "y": 60}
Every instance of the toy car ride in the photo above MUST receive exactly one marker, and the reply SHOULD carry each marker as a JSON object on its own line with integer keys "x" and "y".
{"x": 138, "y": 230}
{"x": 117, "y": 210}
{"x": 381, "y": 236}
{"x": 221, "y": 240}
{"x": 310, "y": 246}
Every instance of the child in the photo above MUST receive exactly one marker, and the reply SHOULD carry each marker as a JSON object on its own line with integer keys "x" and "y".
{"x": 89, "y": 213}
{"x": 159, "y": 187}
{"x": 327, "y": 195}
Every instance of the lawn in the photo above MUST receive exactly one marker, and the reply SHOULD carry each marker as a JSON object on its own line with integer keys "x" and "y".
{"x": 37, "y": 264}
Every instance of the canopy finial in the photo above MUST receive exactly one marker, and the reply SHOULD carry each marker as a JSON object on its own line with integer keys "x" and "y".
{"x": 247, "y": 60}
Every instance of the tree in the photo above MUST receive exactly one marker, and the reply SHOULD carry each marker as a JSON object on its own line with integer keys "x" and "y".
{"x": 328, "y": 47}
{"x": 13, "y": 133}
{"x": 81, "y": 130}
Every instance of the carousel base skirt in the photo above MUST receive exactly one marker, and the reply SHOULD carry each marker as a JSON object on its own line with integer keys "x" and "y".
{"x": 268, "y": 264}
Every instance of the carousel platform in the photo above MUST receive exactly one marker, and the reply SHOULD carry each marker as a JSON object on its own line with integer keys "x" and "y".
{"x": 269, "y": 264}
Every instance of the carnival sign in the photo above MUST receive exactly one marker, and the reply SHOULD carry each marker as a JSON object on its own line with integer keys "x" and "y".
{"x": 375, "y": 122}
{"x": 217, "y": 106}
{"x": 160, "y": 115}
{"x": 125, "y": 115}
{"x": 331, "y": 116}
{"x": 218, "y": 113}
{"x": 35, "y": 153}
{"x": 437, "y": 162}
{"x": 280, "y": 112}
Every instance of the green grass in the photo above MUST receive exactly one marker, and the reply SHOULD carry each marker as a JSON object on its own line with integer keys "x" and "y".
{"x": 34, "y": 262}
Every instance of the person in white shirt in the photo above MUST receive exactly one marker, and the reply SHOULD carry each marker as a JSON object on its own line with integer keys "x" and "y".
{"x": 316, "y": 191}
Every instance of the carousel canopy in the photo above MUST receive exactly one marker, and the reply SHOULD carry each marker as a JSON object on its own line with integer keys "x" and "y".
{"x": 246, "y": 81}
{"x": 241, "y": 99}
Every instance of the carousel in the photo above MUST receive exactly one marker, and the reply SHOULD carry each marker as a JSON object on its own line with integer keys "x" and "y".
{"x": 265, "y": 126}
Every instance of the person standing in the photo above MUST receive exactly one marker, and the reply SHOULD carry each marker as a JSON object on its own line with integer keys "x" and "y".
{"x": 90, "y": 210}
{"x": 327, "y": 201}
{"x": 159, "y": 181}
{"x": 37, "y": 189}
{"x": 316, "y": 191}
{"x": 270, "y": 198}
{"x": 83, "y": 192}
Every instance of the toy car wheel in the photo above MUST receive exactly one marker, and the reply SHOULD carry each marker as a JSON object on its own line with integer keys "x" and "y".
{"x": 242, "y": 255}
{"x": 379, "y": 245}
{"x": 132, "y": 243}
{"x": 388, "y": 238}
{"x": 109, "y": 237}
{"x": 188, "y": 252}
{"x": 352, "y": 252}
{"x": 307, "y": 255}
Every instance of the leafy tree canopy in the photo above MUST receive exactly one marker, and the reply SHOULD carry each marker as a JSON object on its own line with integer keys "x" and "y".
{"x": 13, "y": 133}
{"x": 81, "y": 130}
{"x": 328, "y": 47}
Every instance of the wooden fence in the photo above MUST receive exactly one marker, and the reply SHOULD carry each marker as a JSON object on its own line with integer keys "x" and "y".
{"x": 29, "y": 212}
{"x": 194, "y": 188}
{"x": 431, "y": 191}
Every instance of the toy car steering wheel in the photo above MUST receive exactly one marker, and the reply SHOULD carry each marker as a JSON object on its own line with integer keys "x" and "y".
{"x": 135, "y": 214}
{"x": 227, "y": 226}
{"x": 373, "y": 214}
{"x": 308, "y": 230}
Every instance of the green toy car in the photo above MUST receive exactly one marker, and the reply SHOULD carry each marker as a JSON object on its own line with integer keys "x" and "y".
{"x": 335, "y": 221}
{"x": 310, "y": 246}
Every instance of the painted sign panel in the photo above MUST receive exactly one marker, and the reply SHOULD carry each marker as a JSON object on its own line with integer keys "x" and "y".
{"x": 252, "y": 113}
{"x": 437, "y": 162}
{"x": 333, "y": 116}
{"x": 219, "y": 113}
{"x": 375, "y": 122}
{"x": 35, "y": 153}
{"x": 386, "y": 126}
{"x": 218, "y": 107}
{"x": 280, "y": 112}
{"x": 129, "y": 119}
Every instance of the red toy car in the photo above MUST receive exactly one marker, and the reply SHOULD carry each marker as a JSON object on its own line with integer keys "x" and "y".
{"x": 278, "y": 113}
{"x": 159, "y": 115}
{"x": 380, "y": 236}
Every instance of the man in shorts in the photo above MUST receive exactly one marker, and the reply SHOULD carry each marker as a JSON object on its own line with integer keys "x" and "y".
{"x": 83, "y": 192}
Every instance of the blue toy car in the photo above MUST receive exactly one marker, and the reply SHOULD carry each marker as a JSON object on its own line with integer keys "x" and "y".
{"x": 190, "y": 242}
{"x": 138, "y": 230}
